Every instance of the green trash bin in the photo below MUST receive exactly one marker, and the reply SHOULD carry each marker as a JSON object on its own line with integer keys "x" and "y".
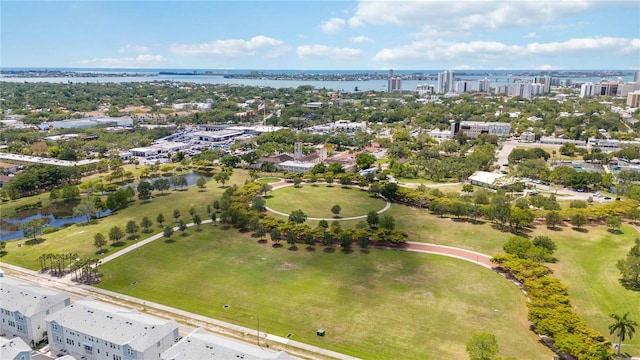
{"x": 320, "y": 332}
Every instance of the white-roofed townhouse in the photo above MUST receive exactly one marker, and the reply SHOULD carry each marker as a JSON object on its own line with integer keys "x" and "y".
{"x": 24, "y": 307}
{"x": 93, "y": 330}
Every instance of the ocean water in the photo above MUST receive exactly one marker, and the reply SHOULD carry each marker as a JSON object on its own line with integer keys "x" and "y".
{"x": 496, "y": 77}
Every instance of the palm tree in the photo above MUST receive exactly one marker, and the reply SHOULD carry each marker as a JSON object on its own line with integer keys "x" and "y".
{"x": 623, "y": 327}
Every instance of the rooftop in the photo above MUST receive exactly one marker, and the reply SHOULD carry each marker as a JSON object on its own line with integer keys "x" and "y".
{"x": 27, "y": 298}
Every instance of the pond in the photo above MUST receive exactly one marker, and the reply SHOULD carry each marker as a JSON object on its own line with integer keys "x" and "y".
{"x": 8, "y": 226}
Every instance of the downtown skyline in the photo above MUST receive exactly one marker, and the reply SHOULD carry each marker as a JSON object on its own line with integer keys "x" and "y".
{"x": 348, "y": 35}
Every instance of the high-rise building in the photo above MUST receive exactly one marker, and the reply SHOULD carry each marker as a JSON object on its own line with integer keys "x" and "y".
{"x": 545, "y": 81}
{"x": 394, "y": 84}
{"x": 484, "y": 85}
{"x": 633, "y": 99}
{"x": 609, "y": 88}
{"x": 637, "y": 77}
{"x": 522, "y": 89}
{"x": 424, "y": 89}
{"x": 462, "y": 86}
{"x": 589, "y": 90}
{"x": 446, "y": 82}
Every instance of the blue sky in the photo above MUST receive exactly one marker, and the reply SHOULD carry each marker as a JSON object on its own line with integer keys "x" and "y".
{"x": 375, "y": 35}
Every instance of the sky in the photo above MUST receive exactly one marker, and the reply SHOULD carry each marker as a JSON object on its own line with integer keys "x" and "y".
{"x": 322, "y": 35}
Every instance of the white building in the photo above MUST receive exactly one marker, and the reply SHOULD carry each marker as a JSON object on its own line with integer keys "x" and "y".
{"x": 200, "y": 344}
{"x": 446, "y": 82}
{"x": 589, "y": 90}
{"x": 491, "y": 180}
{"x": 293, "y": 166}
{"x": 394, "y": 84}
{"x": 425, "y": 89}
{"x": 14, "y": 349}
{"x": 93, "y": 330}
{"x": 484, "y": 85}
{"x": 463, "y": 86}
{"x": 191, "y": 106}
{"x": 24, "y": 306}
{"x": 348, "y": 126}
{"x": 522, "y": 89}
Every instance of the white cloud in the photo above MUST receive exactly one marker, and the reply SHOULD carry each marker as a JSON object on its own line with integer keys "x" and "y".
{"x": 332, "y": 26}
{"x": 460, "y": 15}
{"x": 126, "y": 62}
{"x": 227, "y": 48}
{"x": 277, "y": 52}
{"x": 547, "y": 67}
{"x": 323, "y": 51}
{"x": 134, "y": 48}
{"x": 429, "y": 49}
{"x": 531, "y": 35}
{"x": 360, "y": 39}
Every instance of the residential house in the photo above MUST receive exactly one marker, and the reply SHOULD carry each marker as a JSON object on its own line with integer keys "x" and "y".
{"x": 14, "y": 349}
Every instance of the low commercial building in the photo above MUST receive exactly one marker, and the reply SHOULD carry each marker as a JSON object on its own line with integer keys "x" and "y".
{"x": 200, "y": 344}
{"x": 492, "y": 180}
{"x": 24, "y": 307}
{"x": 93, "y": 330}
{"x": 473, "y": 129}
{"x": 296, "y": 166}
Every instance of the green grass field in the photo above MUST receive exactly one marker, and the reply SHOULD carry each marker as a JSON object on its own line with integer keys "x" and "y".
{"x": 316, "y": 201}
{"x": 381, "y": 305}
{"x": 268, "y": 180}
{"x": 588, "y": 267}
{"x": 79, "y": 238}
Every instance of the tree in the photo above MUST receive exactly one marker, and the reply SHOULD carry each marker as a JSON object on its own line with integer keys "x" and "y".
{"x": 32, "y": 228}
{"x": 518, "y": 246}
{"x": 297, "y": 217}
{"x": 623, "y": 328}
{"x": 346, "y": 240}
{"x": 86, "y": 208}
{"x": 276, "y": 236}
{"x": 630, "y": 268}
{"x": 221, "y": 177}
{"x": 161, "y": 185}
{"x": 201, "y": 183}
{"x": 214, "y": 219}
{"x": 115, "y": 234}
{"x": 291, "y": 239}
{"x": 168, "y": 231}
{"x": 144, "y": 190}
{"x": 132, "y": 228}
{"x": 297, "y": 181}
{"x": 335, "y": 209}
{"x": 146, "y": 223}
{"x": 160, "y": 219}
{"x": 197, "y": 220}
{"x": 373, "y": 218}
{"x": 328, "y": 179}
{"x": 553, "y": 219}
{"x": 387, "y": 222}
{"x": 578, "y": 220}
{"x": 54, "y": 194}
{"x": 258, "y": 203}
{"x": 467, "y": 188}
{"x": 99, "y": 241}
{"x": 365, "y": 160}
{"x": 634, "y": 215}
{"x": 182, "y": 226}
{"x": 176, "y": 215}
{"x": 545, "y": 242}
{"x": 265, "y": 188}
{"x": 482, "y": 346}
{"x": 613, "y": 223}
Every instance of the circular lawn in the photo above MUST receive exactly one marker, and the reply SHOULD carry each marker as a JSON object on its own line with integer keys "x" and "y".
{"x": 317, "y": 201}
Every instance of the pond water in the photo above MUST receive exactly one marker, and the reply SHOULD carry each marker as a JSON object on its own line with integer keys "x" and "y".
{"x": 58, "y": 222}
{"x": 53, "y": 222}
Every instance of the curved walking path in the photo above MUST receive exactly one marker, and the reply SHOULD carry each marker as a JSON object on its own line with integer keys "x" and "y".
{"x": 281, "y": 184}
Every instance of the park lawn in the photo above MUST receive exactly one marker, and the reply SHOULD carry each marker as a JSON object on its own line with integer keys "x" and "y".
{"x": 381, "y": 305}
{"x": 317, "y": 201}
{"x": 268, "y": 180}
{"x": 587, "y": 265}
{"x": 7, "y": 208}
{"x": 79, "y": 238}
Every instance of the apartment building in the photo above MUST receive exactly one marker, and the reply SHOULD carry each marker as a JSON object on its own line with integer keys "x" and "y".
{"x": 93, "y": 330}
{"x": 24, "y": 307}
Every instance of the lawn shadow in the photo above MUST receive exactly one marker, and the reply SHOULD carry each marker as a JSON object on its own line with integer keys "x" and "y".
{"x": 329, "y": 250}
{"x": 169, "y": 241}
{"x": 364, "y": 251}
{"x": 262, "y": 241}
{"x": 555, "y": 228}
{"x": 293, "y": 248}
{"x": 35, "y": 241}
{"x": 347, "y": 251}
{"x": 582, "y": 230}
{"x": 102, "y": 251}
{"x": 276, "y": 245}
{"x": 615, "y": 231}
{"x": 310, "y": 248}
{"x": 118, "y": 244}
